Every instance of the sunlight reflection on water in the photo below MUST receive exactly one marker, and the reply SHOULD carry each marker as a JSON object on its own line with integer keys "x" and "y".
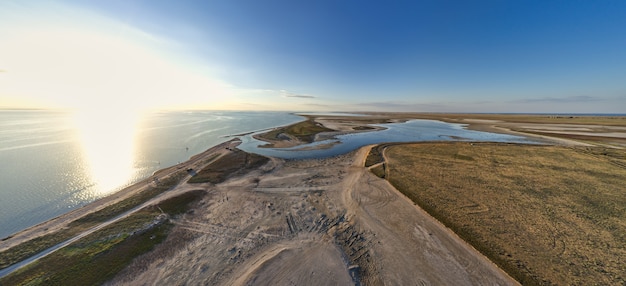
{"x": 108, "y": 140}
{"x": 57, "y": 161}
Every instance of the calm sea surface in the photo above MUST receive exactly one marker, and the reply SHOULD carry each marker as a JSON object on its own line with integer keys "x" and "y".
{"x": 54, "y": 162}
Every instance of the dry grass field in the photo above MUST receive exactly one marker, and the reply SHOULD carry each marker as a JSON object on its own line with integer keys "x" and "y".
{"x": 545, "y": 214}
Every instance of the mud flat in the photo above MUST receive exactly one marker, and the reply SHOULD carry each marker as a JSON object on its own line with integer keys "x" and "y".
{"x": 559, "y": 129}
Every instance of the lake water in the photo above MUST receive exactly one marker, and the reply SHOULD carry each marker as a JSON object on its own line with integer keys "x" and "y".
{"x": 54, "y": 162}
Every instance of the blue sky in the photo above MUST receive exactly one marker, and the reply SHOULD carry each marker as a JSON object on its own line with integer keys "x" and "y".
{"x": 443, "y": 56}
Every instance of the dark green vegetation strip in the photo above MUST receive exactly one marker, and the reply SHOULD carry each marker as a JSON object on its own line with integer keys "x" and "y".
{"x": 234, "y": 163}
{"x": 375, "y": 155}
{"x": 29, "y": 248}
{"x": 180, "y": 204}
{"x": 523, "y": 118}
{"x": 545, "y": 214}
{"x": 577, "y": 137}
{"x": 36, "y": 245}
{"x": 363, "y": 128}
{"x": 125, "y": 205}
{"x": 305, "y": 131}
{"x": 99, "y": 256}
{"x": 379, "y": 171}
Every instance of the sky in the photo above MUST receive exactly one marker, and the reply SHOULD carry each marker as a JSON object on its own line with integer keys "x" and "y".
{"x": 410, "y": 56}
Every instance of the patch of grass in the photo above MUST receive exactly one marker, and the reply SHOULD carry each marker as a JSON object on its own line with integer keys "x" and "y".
{"x": 577, "y": 137}
{"x": 116, "y": 209}
{"x": 96, "y": 258}
{"x": 379, "y": 171}
{"x": 304, "y": 131}
{"x": 99, "y": 256}
{"x": 529, "y": 118}
{"x": 375, "y": 155}
{"x": 180, "y": 204}
{"x": 233, "y": 163}
{"x": 362, "y": 128}
{"x": 29, "y": 248}
{"x": 463, "y": 157}
{"x": 272, "y": 134}
{"x": 544, "y": 214}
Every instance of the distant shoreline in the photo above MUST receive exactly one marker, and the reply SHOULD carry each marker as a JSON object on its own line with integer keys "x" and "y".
{"x": 471, "y": 119}
{"x": 483, "y": 122}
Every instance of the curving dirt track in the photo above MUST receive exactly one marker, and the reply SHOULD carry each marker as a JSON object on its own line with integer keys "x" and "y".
{"x": 310, "y": 222}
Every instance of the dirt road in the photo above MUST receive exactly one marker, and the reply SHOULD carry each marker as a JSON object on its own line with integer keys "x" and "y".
{"x": 197, "y": 162}
{"x": 311, "y": 222}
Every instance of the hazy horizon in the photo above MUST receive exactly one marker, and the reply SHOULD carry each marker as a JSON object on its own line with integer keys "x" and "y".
{"x": 165, "y": 110}
{"x": 405, "y": 56}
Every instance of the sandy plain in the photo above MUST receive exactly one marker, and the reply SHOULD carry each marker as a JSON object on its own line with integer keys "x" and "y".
{"x": 309, "y": 222}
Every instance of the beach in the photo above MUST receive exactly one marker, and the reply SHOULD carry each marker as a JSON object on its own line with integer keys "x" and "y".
{"x": 314, "y": 221}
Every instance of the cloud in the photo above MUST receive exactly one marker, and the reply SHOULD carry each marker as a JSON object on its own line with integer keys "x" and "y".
{"x": 399, "y": 106}
{"x": 300, "y": 96}
{"x": 318, "y": 104}
{"x": 567, "y": 99}
{"x": 286, "y": 93}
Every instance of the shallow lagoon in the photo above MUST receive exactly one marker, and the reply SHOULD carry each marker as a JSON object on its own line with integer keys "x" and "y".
{"x": 410, "y": 131}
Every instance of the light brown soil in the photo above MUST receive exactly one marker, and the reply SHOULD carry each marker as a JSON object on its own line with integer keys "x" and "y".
{"x": 323, "y": 219}
{"x": 313, "y": 222}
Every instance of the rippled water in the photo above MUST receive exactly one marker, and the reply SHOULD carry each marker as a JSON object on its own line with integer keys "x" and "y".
{"x": 54, "y": 162}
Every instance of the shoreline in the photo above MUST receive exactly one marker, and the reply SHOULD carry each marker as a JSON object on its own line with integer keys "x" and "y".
{"x": 64, "y": 220}
{"x": 340, "y": 124}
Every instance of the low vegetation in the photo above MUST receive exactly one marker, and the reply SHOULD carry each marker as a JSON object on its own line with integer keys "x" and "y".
{"x": 363, "y": 128}
{"x": 375, "y": 155}
{"x": 523, "y": 118}
{"x": 127, "y": 204}
{"x": 545, "y": 214}
{"x": 379, "y": 171}
{"x": 29, "y": 248}
{"x": 99, "y": 256}
{"x": 304, "y": 131}
{"x": 36, "y": 245}
{"x": 233, "y": 163}
{"x": 615, "y": 141}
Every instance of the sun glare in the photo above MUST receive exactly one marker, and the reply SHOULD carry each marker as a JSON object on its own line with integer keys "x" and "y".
{"x": 75, "y": 66}
{"x": 108, "y": 140}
